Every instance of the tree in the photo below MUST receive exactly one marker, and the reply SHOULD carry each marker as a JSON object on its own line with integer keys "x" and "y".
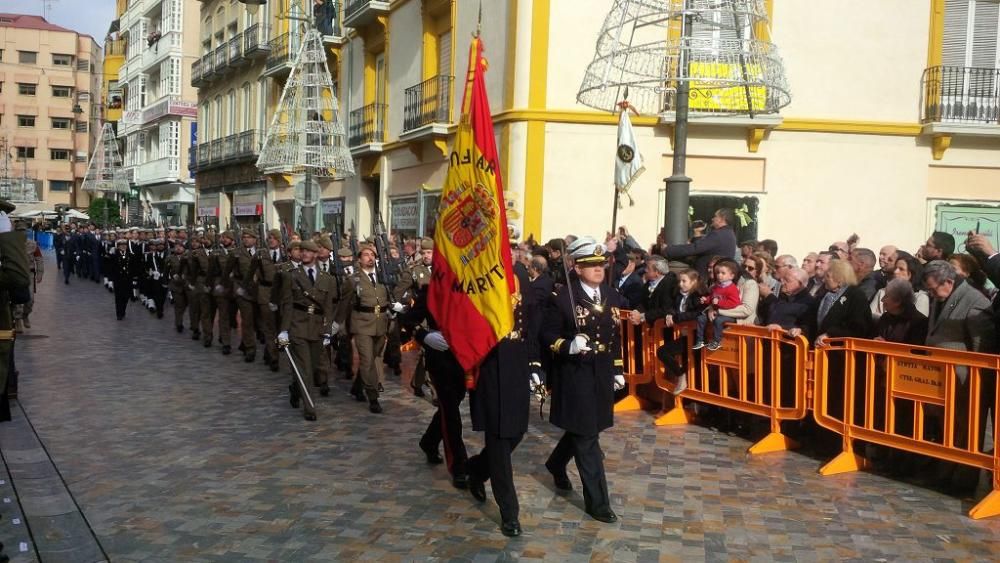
{"x": 105, "y": 212}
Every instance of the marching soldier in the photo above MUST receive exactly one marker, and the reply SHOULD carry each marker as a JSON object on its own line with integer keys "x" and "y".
{"x": 417, "y": 277}
{"x": 177, "y": 286}
{"x": 344, "y": 361}
{"x": 307, "y": 306}
{"x": 195, "y": 268}
{"x": 243, "y": 266}
{"x": 266, "y": 298}
{"x": 155, "y": 271}
{"x": 123, "y": 267}
{"x": 365, "y": 304}
{"x": 222, "y": 290}
{"x": 581, "y": 330}
{"x": 202, "y": 259}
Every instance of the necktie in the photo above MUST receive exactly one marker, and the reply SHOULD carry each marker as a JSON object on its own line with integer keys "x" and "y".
{"x": 371, "y": 276}
{"x": 312, "y": 277}
{"x": 323, "y": 267}
{"x": 597, "y": 296}
{"x": 274, "y": 255}
{"x": 649, "y": 287}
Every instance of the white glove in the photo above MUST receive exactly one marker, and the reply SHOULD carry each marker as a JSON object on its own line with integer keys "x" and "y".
{"x": 436, "y": 341}
{"x": 398, "y": 307}
{"x": 283, "y": 338}
{"x": 219, "y": 289}
{"x": 272, "y": 307}
{"x": 156, "y": 276}
{"x": 240, "y": 291}
{"x": 326, "y": 341}
{"x": 619, "y": 382}
{"x": 578, "y": 345}
{"x": 135, "y": 293}
{"x": 5, "y": 226}
{"x": 334, "y": 328}
{"x": 535, "y": 380}
{"x": 191, "y": 287}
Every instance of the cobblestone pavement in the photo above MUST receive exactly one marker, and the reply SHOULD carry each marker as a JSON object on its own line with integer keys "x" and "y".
{"x": 176, "y": 453}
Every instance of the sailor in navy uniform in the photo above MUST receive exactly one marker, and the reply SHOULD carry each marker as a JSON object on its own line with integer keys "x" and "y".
{"x": 581, "y": 328}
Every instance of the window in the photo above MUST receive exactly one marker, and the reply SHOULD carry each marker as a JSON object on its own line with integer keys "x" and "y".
{"x": 60, "y": 122}
{"x": 62, "y": 91}
{"x": 27, "y": 57}
{"x": 26, "y": 89}
{"x": 83, "y": 66}
{"x": 966, "y": 83}
{"x": 25, "y": 121}
{"x": 82, "y": 127}
{"x": 60, "y": 185}
{"x": 62, "y": 60}
{"x": 59, "y": 154}
{"x": 25, "y": 152}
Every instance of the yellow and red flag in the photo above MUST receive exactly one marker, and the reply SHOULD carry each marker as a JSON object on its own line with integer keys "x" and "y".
{"x": 473, "y": 280}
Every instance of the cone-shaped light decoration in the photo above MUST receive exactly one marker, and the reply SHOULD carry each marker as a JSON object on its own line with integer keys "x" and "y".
{"x": 105, "y": 172}
{"x": 306, "y": 132}
{"x": 725, "y": 58}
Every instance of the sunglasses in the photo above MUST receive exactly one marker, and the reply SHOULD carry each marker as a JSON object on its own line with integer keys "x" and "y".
{"x": 750, "y": 268}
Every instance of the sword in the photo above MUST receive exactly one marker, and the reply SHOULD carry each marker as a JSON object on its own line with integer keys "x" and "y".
{"x": 298, "y": 376}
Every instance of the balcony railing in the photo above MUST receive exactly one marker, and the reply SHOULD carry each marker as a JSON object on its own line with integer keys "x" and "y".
{"x": 281, "y": 53}
{"x": 196, "y": 72}
{"x": 248, "y": 145}
{"x": 216, "y": 149}
{"x": 207, "y": 66}
{"x": 358, "y": 13}
{"x": 955, "y": 94}
{"x": 327, "y": 19}
{"x": 236, "y": 50}
{"x": 115, "y": 48}
{"x": 232, "y": 149}
{"x": 161, "y": 170}
{"x": 367, "y": 125}
{"x": 428, "y": 102}
{"x": 221, "y": 60}
{"x": 255, "y": 40}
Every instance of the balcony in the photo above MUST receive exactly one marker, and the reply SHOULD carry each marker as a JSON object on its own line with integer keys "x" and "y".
{"x": 221, "y": 57}
{"x": 159, "y": 171}
{"x": 168, "y": 44}
{"x": 255, "y": 42}
{"x": 115, "y": 48}
{"x": 193, "y": 159}
{"x": 236, "y": 58}
{"x": 959, "y": 100}
{"x": 172, "y": 106}
{"x": 207, "y": 68}
{"x": 234, "y": 149}
{"x": 366, "y": 129}
{"x": 215, "y": 150}
{"x": 197, "y": 80}
{"x": 328, "y": 22}
{"x": 427, "y": 112}
{"x": 359, "y": 13}
{"x": 280, "y": 58}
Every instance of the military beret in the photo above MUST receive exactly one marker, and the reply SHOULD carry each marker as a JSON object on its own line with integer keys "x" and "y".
{"x": 427, "y": 244}
{"x": 345, "y": 253}
{"x": 326, "y": 243}
{"x": 228, "y": 234}
{"x": 366, "y": 246}
{"x": 294, "y": 244}
{"x": 274, "y": 233}
{"x": 309, "y": 245}
{"x": 249, "y": 233}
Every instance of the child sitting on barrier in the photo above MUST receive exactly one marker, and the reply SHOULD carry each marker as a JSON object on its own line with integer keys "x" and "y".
{"x": 686, "y": 307}
{"x": 724, "y": 294}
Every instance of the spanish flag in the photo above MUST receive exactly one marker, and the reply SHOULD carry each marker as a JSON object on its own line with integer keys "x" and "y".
{"x": 473, "y": 279}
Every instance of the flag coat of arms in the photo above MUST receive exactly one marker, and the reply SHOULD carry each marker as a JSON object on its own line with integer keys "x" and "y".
{"x": 470, "y": 293}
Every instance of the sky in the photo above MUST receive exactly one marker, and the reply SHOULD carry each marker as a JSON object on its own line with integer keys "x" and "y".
{"x": 90, "y": 17}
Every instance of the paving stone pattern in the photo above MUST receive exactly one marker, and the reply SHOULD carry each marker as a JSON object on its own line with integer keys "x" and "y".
{"x": 177, "y": 453}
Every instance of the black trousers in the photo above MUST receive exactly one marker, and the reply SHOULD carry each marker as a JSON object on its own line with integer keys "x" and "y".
{"x": 393, "y": 356}
{"x": 446, "y": 424}
{"x": 589, "y": 462}
{"x": 493, "y": 464}
{"x": 123, "y": 292}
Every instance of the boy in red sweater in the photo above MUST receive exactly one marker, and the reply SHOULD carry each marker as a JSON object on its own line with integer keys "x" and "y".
{"x": 724, "y": 295}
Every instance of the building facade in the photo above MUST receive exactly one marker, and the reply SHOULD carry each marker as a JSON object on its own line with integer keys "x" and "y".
{"x": 50, "y": 87}
{"x": 903, "y": 144}
{"x": 158, "y": 121}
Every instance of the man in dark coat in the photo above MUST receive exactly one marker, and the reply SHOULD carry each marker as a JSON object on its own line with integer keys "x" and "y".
{"x": 720, "y": 242}
{"x": 581, "y": 329}
{"x": 123, "y": 271}
{"x": 500, "y": 404}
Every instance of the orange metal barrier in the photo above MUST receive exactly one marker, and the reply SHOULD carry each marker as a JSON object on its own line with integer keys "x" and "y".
{"x": 636, "y": 362}
{"x": 746, "y": 374}
{"x": 894, "y": 394}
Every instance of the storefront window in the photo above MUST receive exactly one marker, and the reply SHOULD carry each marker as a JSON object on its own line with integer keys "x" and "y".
{"x": 332, "y": 212}
{"x": 429, "y": 201}
{"x": 404, "y": 217}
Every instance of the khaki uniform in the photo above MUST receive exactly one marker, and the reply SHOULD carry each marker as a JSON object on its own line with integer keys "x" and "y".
{"x": 196, "y": 270}
{"x": 412, "y": 280}
{"x": 178, "y": 287}
{"x": 242, "y": 268}
{"x": 206, "y": 304}
{"x": 307, "y": 311}
{"x": 267, "y": 305}
{"x": 14, "y": 274}
{"x": 222, "y": 291}
{"x": 365, "y": 305}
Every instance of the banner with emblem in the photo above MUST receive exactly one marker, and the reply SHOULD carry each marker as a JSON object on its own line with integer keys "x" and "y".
{"x": 628, "y": 161}
{"x": 472, "y": 282}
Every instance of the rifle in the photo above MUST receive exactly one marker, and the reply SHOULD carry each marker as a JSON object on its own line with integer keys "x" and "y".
{"x": 387, "y": 266}
{"x": 353, "y": 240}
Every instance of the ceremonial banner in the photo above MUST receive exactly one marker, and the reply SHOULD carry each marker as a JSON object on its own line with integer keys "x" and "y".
{"x": 628, "y": 161}
{"x": 472, "y": 284}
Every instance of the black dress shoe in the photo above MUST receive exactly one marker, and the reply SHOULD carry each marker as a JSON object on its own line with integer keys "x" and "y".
{"x": 560, "y": 479}
{"x": 207, "y": 344}
{"x": 310, "y": 416}
{"x": 293, "y": 396}
{"x": 359, "y": 396}
{"x": 242, "y": 348}
{"x": 380, "y": 388}
{"x": 274, "y": 365}
{"x": 374, "y": 407}
{"x": 324, "y": 390}
{"x": 511, "y": 529}
{"x": 196, "y": 335}
{"x": 226, "y": 350}
{"x": 419, "y": 392}
{"x": 433, "y": 457}
{"x": 248, "y": 358}
{"x": 159, "y": 314}
{"x": 478, "y": 488}
{"x": 180, "y": 328}
{"x": 460, "y": 481}
{"x": 607, "y": 516}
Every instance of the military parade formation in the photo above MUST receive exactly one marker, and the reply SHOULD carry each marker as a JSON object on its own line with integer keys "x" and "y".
{"x": 347, "y": 306}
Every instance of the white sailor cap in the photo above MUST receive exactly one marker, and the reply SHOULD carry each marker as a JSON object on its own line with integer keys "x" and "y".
{"x": 586, "y": 250}
{"x": 121, "y": 241}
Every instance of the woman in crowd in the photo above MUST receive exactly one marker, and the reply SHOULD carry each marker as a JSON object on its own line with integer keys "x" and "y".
{"x": 901, "y": 321}
{"x": 968, "y": 267}
{"x": 746, "y": 312}
{"x": 911, "y": 270}
{"x": 766, "y": 275}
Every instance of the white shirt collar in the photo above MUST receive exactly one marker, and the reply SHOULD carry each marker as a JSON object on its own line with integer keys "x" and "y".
{"x": 591, "y": 292}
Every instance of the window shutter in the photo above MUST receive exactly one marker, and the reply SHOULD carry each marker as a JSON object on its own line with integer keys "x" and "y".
{"x": 444, "y": 54}
{"x": 984, "y": 34}
{"x": 956, "y": 33}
